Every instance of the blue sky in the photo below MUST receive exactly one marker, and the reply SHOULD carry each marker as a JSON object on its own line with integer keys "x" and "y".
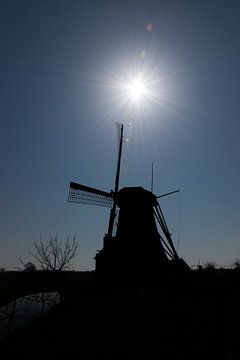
{"x": 58, "y": 110}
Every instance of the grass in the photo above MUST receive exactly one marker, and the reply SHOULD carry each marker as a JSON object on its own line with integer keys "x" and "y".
{"x": 183, "y": 316}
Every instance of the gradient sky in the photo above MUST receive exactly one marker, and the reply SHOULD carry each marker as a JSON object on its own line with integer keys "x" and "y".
{"x": 59, "y": 65}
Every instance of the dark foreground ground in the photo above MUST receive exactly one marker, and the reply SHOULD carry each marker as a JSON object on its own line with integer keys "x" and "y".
{"x": 178, "y": 316}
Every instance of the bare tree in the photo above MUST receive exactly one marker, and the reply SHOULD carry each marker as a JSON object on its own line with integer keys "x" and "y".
{"x": 54, "y": 254}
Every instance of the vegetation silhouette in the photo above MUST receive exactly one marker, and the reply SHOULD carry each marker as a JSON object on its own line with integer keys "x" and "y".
{"x": 52, "y": 254}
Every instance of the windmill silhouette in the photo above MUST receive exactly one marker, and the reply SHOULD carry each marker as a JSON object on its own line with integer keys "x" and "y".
{"x": 138, "y": 238}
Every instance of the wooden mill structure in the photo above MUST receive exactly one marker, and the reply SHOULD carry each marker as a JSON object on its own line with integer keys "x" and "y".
{"x": 138, "y": 239}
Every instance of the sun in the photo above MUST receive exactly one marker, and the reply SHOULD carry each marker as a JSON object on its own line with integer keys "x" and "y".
{"x": 137, "y": 88}
{"x": 135, "y": 85}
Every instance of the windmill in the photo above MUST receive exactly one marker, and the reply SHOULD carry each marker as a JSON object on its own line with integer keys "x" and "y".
{"x": 138, "y": 238}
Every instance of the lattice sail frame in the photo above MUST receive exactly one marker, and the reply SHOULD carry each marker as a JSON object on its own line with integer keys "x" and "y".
{"x": 83, "y": 194}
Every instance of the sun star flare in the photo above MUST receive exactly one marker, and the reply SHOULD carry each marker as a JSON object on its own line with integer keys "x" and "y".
{"x": 137, "y": 88}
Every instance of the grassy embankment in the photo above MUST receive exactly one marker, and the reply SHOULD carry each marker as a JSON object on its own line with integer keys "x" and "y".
{"x": 182, "y": 316}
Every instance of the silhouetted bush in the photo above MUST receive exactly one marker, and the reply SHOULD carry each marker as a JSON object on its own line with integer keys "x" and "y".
{"x": 211, "y": 265}
{"x": 30, "y": 267}
{"x": 236, "y": 264}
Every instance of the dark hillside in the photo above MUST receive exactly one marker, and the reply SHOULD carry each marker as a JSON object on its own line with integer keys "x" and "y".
{"x": 189, "y": 316}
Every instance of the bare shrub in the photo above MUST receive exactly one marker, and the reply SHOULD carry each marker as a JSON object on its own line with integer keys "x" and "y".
{"x": 54, "y": 254}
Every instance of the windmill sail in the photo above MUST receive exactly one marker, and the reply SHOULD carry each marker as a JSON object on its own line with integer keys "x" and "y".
{"x": 83, "y": 194}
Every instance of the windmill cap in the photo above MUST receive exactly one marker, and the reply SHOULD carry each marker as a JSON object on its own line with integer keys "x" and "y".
{"x": 135, "y": 196}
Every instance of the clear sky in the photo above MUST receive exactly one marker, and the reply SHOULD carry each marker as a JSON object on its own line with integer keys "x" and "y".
{"x": 60, "y": 66}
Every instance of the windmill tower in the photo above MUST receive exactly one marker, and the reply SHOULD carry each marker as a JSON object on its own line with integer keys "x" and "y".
{"x": 142, "y": 241}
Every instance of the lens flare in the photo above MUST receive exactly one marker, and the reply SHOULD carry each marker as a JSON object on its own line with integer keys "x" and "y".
{"x": 149, "y": 26}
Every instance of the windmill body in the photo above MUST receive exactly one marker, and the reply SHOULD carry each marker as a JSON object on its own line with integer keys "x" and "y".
{"x": 136, "y": 246}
